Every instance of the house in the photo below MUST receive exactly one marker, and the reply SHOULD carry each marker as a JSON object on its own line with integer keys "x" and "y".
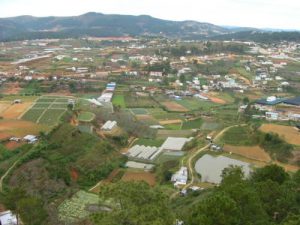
{"x": 31, "y": 139}
{"x": 156, "y": 74}
{"x": 143, "y": 152}
{"x": 109, "y": 125}
{"x": 8, "y": 218}
{"x": 272, "y": 115}
{"x": 180, "y": 177}
{"x": 111, "y": 86}
{"x": 268, "y": 104}
{"x": 293, "y": 101}
{"x": 17, "y": 101}
{"x": 174, "y": 144}
{"x": 95, "y": 102}
{"x": 105, "y": 97}
{"x": 16, "y": 139}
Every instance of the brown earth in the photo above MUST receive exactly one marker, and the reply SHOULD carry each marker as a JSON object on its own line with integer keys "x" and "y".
{"x": 173, "y": 106}
{"x": 12, "y": 145}
{"x": 12, "y": 88}
{"x": 74, "y": 174}
{"x": 19, "y": 128}
{"x": 139, "y": 176}
{"x": 217, "y": 100}
{"x": 166, "y": 122}
{"x": 4, "y": 106}
{"x": 288, "y": 133}
{"x": 15, "y": 110}
{"x": 251, "y": 152}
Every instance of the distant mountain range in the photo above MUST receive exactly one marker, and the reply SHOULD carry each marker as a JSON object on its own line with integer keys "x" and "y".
{"x": 102, "y": 25}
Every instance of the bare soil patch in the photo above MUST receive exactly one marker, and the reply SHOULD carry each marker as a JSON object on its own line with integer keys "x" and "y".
{"x": 140, "y": 176}
{"x": 19, "y": 128}
{"x": 288, "y": 133}
{"x": 175, "y": 107}
{"x": 12, "y": 145}
{"x": 166, "y": 122}
{"x": 251, "y": 152}
{"x": 4, "y": 106}
{"x": 12, "y": 88}
{"x": 15, "y": 110}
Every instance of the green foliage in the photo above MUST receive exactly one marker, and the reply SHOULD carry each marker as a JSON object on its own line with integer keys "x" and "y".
{"x": 136, "y": 204}
{"x": 216, "y": 209}
{"x": 32, "y": 211}
{"x": 269, "y": 197}
{"x": 272, "y": 172}
{"x": 165, "y": 170}
{"x": 277, "y": 147}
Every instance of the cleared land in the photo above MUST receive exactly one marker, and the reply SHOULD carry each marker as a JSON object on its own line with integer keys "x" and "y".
{"x": 16, "y": 110}
{"x": 4, "y": 106}
{"x": 174, "y": 107}
{"x": 251, "y": 152}
{"x": 288, "y": 133}
{"x": 140, "y": 176}
{"x": 166, "y": 122}
{"x": 19, "y": 128}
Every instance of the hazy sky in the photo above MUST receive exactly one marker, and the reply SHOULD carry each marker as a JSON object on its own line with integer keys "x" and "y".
{"x": 254, "y": 13}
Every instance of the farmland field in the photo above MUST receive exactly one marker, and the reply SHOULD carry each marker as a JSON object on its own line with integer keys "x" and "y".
{"x": 16, "y": 110}
{"x": 132, "y": 101}
{"x": 4, "y": 106}
{"x": 174, "y": 107}
{"x": 76, "y": 208}
{"x": 47, "y": 110}
{"x": 210, "y": 126}
{"x": 288, "y": 133}
{"x": 33, "y": 114}
{"x": 160, "y": 114}
{"x": 139, "y": 176}
{"x": 251, "y": 152}
{"x": 119, "y": 100}
{"x": 19, "y": 128}
{"x": 51, "y": 116}
{"x": 195, "y": 104}
{"x": 192, "y": 124}
{"x": 139, "y": 111}
{"x": 239, "y": 136}
{"x": 42, "y": 105}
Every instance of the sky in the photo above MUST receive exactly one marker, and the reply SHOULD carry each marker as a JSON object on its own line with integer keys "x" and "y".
{"x": 281, "y": 14}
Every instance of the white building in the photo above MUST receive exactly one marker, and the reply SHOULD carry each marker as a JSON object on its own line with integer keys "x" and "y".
{"x": 174, "y": 144}
{"x": 7, "y": 218}
{"x": 109, "y": 125}
{"x": 105, "y": 97}
{"x": 180, "y": 177}
{"x": 31, "y": 139}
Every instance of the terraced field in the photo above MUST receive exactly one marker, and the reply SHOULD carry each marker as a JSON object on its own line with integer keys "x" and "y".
{"x": 47, "y": 110}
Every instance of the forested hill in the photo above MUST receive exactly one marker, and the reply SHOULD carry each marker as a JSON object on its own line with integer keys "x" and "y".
{"x": 261, "y": 36}
{"x": 101, "y": 25}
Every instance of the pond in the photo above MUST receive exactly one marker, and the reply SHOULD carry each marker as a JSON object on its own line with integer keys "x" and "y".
{"x": 210, "y": 167}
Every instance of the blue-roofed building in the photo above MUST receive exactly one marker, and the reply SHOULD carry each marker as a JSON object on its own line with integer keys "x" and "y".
{"x": 292, "y": 101}
{"x": 268, "y": 104}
